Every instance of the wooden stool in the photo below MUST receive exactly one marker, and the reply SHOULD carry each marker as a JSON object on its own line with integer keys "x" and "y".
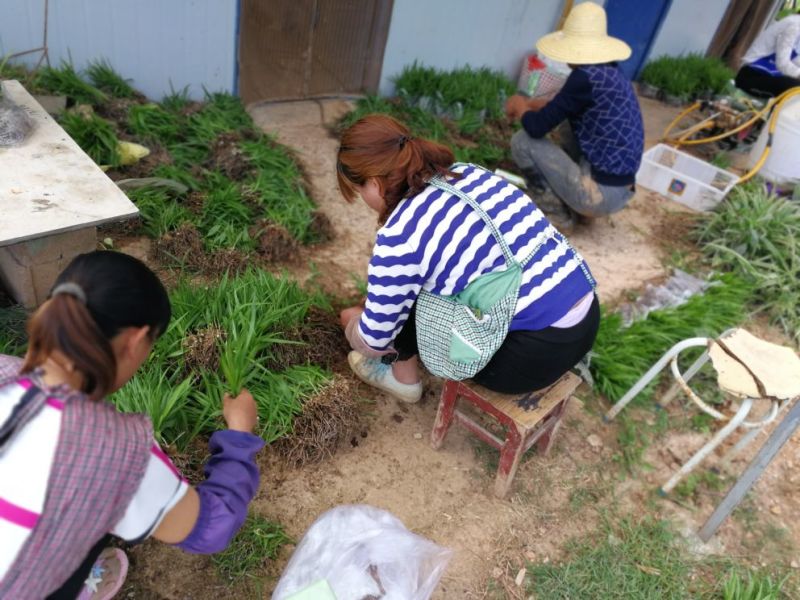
{"x": 525, "y": 428}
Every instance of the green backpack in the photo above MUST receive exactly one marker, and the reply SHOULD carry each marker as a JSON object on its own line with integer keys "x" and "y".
{"x": 458, "y": 335}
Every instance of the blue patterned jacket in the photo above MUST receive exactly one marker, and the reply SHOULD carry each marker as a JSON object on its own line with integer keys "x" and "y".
{"x": 602, "y": 108}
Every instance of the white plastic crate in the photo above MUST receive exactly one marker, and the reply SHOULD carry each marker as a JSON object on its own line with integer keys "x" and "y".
{"x": 684, "y": 178}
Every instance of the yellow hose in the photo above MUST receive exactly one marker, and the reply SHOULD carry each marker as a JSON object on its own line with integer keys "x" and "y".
{"x": 774, "y": 105}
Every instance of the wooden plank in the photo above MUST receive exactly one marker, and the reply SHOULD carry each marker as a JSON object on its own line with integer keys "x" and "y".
{"x": 49, "y": 185}
{"x": 507, "y": 403}
{"x": 757, "y": 466}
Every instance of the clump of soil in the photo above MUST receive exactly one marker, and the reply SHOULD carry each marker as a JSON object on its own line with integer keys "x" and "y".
{"x": 275, "y": 243}
{"x": 321, "y": 342}
{"x": 201, "y": 348}
{"x": 328, "y": 420}
{"x": 194, "y": 202}
{"x": 184, "y": 247}
{"x": 321, "y": 228}
{"x": 190, "y": 461}
{"x": 227, "y": 156}
{"x": 116, "y": 110}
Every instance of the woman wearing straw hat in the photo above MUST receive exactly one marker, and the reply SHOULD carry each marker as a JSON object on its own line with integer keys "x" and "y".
{"x": 593, "y": 174}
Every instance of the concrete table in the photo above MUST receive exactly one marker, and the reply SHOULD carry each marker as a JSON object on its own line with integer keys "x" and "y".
{"x": 52, "y": 197}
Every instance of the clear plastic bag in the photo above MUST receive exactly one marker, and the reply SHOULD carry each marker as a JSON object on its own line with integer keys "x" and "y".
{"x": 364, "y": 553}
{"x": 15, "y": 123}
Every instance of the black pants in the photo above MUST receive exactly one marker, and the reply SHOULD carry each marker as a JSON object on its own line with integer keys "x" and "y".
{"x": 527, "y": 360}
{"x": 758, "y": 83}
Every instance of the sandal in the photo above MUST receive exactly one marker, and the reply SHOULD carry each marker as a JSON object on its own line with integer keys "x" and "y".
{"x": 107, "y": 576}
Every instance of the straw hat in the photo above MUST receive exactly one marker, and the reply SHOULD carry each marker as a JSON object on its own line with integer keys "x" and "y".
{"x": 584, "y": 39}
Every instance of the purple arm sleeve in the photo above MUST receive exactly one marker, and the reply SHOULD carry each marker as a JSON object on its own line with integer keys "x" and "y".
{"x": 231, "y": 482}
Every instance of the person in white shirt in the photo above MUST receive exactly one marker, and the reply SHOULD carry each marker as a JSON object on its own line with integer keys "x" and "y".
{"x": 772, "y": 65}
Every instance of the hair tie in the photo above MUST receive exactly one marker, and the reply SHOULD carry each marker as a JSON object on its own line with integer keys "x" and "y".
{"x": 71, "y": 289}
{"x": 403, "y": 139}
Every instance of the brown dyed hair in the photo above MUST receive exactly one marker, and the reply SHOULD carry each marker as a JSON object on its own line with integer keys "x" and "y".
{"x": 121, "y": 292}
{"x": 382, "y": 147}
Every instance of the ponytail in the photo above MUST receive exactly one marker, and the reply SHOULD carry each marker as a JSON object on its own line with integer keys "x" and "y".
{"x": 98, "y": 295}
{"x": 379, "y": 146}
{"x": 64, "y": 324}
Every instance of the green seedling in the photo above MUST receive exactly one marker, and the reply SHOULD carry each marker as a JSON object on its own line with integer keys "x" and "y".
{"x": 757, "y": 237}
{"x": 94, "y": 135}
{"x": 66, "y": 81}
{"x": 153, "y": 123}
{"x": 159, "y": 211}
{"x": 106, "y": 79}
{"x": 621, "y": 355}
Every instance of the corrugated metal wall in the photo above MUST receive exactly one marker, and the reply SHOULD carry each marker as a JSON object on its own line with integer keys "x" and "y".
{"x": 160, "y": 44}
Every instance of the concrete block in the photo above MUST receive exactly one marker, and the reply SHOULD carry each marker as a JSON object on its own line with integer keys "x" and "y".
{"x": 28, "y": 269}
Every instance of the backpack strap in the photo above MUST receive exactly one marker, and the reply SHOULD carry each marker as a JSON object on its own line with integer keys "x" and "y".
{"x": 440, "y": 183}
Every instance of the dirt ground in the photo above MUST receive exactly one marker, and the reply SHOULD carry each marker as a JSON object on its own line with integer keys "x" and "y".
{"x": 446, "y": 495}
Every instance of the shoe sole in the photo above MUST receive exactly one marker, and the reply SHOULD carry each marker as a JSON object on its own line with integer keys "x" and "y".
{"x": 389, "y": 391}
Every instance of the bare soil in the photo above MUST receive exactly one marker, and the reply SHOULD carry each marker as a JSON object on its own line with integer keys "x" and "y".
{"x": 446, "y": 495}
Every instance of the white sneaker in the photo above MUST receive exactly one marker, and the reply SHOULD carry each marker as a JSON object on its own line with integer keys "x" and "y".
{"x": 373, "y": 372}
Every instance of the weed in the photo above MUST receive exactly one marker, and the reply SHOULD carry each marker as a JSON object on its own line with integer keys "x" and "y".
{"x": 757, "y": 236}
{"x": 462, "y": 109}
{"x": 758, "y": 586}
{"x": 67, "y": 82}
{"x": 94, "y": 135}
{"x": 13, "y": 339}
{"x": 155, "y": 393}
{"x": 469, "y": 91}
{"x": 177, "y": 100}
{"x": 160, "y": 213}
{"x": 278, "y": 187}
{"x": 622, "y": 355}
{"x": 105, "y": 78}
{"x": 221, "y": 113}
{"x": 251, "y": 312}
{"x": 687, "y": 76}
{"x": 152, "y": 122}
{"x": 630, "y": 559}
{"x": 695, "y": 483}
{"x": 258, "y": 541}
{"x": 225, "y": 219}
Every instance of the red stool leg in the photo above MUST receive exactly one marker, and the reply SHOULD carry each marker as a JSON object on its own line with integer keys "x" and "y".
{"x": 445, "y": 413}
{"x": 545, "y": 443}
{"x": 510, "y": 455}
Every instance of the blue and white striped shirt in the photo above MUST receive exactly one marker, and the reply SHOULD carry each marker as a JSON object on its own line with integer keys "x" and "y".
{"x": 437, "y": 242}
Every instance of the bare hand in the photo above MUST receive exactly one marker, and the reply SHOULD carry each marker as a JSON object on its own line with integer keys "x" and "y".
{"x": 240, "y": 413}
{"x": 516, "y": 106}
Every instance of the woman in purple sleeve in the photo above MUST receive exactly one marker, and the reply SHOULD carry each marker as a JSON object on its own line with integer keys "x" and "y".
{"x": 74, "y": 471}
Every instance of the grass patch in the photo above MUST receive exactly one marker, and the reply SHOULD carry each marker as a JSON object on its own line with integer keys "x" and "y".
{"x": 688, "y": 76}
{"x": 159, "y": 211}
{"x": 154, "y": 123}
{"x": 66, "y": 81}
{"x": 106, "y": 79}
{"x": 251, "y": 315}
{"x": 13, "y": 339}
{"x": 757, "y": 237}
{"x": 621, "y": 355}
{"x": 95, "y": 135}
{"x": 643, "y": 559}
{"x": 462, "y": 109}
{"x": 630, "y": 559}
{"x": 258, "y": 541}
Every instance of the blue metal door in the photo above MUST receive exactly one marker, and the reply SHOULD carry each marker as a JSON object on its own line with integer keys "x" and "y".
{"x": 637, "y": 23}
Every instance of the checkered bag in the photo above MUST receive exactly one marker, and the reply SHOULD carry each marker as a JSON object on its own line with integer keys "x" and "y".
{"x": 458, "y": 335}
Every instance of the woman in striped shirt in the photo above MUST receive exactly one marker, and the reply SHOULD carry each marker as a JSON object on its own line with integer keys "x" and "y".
{"x": 74, "y": 471}
{"x": 430, "y": 239}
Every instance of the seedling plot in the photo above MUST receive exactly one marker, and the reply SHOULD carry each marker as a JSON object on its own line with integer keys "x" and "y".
{"x": 233, "y": 335}
{"x": 462, "y": 108}
{"x": 755, "y": 235}
{"x": 224, "y": 193}
{"x": 687, "y": 76}
{"x": 622, "y": 355}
